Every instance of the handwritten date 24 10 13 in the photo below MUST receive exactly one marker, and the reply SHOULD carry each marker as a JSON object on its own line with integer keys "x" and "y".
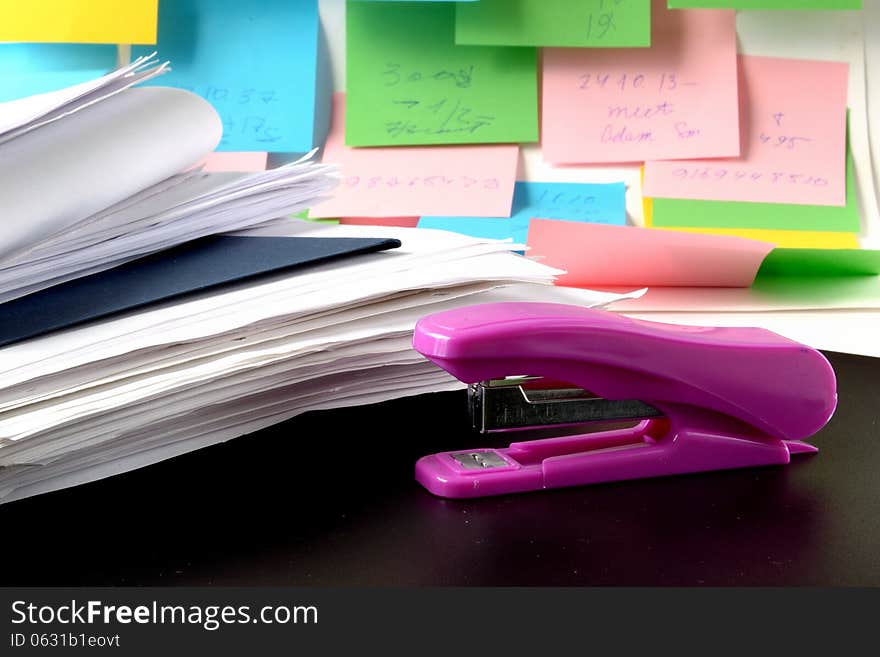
{"x": 631, "y": 82}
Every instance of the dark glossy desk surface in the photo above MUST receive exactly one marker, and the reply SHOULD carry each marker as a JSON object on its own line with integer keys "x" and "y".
{"x": 316, "y": 502}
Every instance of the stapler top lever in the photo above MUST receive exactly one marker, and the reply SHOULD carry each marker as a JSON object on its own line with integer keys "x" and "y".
{"x": 707, "y": 398}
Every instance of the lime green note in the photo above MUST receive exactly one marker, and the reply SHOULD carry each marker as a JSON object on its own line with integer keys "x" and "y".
{"x": 821, "y": 262}
{"x": 305, "y": 215}
{"x": 765, "y": 4}
{"x": 683, "y": 213}
{"x": 588, "y": 23}
{"x": 409, "y": 84}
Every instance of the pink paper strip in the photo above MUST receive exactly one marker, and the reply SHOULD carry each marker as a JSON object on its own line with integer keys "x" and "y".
{"x": 403, "y": 222}
{"x": 246, "y": 162}
{"x": 676, "y": 99}
{"x": 600, "y": 255}
{"x": 793, "y": 115}
{"x": 453, "y": 181}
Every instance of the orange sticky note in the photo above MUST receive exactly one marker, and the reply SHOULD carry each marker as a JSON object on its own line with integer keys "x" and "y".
{"x": 793, "y": 115}
{"x": 676, "y": 99}
{"x": 234, "y": 161}
{"x": 601, "y": 255}
{"x": 408, "y": 181}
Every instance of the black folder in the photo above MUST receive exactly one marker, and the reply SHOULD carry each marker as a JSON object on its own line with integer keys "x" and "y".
{"x": 197, "y": 266}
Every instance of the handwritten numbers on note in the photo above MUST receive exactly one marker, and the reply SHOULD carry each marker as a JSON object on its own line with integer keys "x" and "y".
{"x": 246, "y": 113}
{"x": 415, "y": 180}
{"x": 641, "y": 83}
{"x": 395, "y": 75}
{"x": 600, "y": 22}
{"x": 667, "y": 81}
{"x": 409, "y": 84}
{"x": 256, "y": 63}
{"x": 674, "y": 100}
{"x": 748, "y": 176}
{"x": 795, "y": 148}
{"x": 555, "y": 23}
{"x": 777, "y": 140}
{"x": 595, "y": 203}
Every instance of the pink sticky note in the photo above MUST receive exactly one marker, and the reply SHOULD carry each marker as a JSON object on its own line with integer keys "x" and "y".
{"x": 676, "y": 99}
{"x": 602, "y": 255}
{"x": 231, "y": 161}
{"x": 793, "y": 123}
{"x": 403, "y": 222}
{"x": 454, "y": 181}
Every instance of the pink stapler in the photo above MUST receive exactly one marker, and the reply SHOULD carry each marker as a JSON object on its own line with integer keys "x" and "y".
{"x": 703, "y": 398}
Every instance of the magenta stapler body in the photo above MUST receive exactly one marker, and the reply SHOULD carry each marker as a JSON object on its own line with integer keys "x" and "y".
{"x": 705, "y": 398}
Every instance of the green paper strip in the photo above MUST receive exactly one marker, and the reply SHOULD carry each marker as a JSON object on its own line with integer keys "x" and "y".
{"x": 821, "y": 262}
{"x": 596, "y": 23}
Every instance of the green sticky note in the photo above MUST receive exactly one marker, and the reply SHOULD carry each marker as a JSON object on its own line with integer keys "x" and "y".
{"x": 305, "y": 215}
{"x": 821, "y": 262}
{"x": 781, "y": 216}
{"x": 410, "y": 84}
{"x": 765, "y": 4}
{"x": 587, "y": 23}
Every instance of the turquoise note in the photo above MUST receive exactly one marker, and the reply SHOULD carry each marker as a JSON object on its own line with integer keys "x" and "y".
{"x": 591, "y": 203}
{"x": 36, "y": 68}
{"x": 257, "y": 63}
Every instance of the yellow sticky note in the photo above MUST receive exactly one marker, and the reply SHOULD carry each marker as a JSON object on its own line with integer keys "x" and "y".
{"x": 789, "y": 239}
{"x": 79, "y": 21}
{"x": 647, "y": 201}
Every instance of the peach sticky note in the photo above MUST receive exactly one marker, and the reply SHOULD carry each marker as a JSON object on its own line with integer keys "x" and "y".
{"x": 401, "y": 222}
{"x": 234, "y": 161}
{"x": 406, "y": 181}
{"x": 793, "y": 124}
{"x": 676, "y": 99}
{"x": 79, "y": 21}
{"x": 601, "y": 255}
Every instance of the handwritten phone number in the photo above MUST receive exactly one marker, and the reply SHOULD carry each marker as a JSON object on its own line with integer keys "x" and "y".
{"x": 464, "y": 182}
{"x": 748, "y": 176}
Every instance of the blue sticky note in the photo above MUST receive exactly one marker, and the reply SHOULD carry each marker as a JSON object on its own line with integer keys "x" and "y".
{"x": 36, "y": 68}
{"x": 260, "y": 64}
{"x": 587, "y": 202}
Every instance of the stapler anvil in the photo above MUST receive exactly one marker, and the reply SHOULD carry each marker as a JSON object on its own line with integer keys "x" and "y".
{"x": 705, "y": 398}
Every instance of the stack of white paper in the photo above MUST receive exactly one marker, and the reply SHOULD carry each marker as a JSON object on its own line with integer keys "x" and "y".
{"x": 125, "y": 392}
{"x": 90, "y": 177}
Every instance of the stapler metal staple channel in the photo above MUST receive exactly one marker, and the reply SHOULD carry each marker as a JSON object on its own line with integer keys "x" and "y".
{"x": 706, "y": 398}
